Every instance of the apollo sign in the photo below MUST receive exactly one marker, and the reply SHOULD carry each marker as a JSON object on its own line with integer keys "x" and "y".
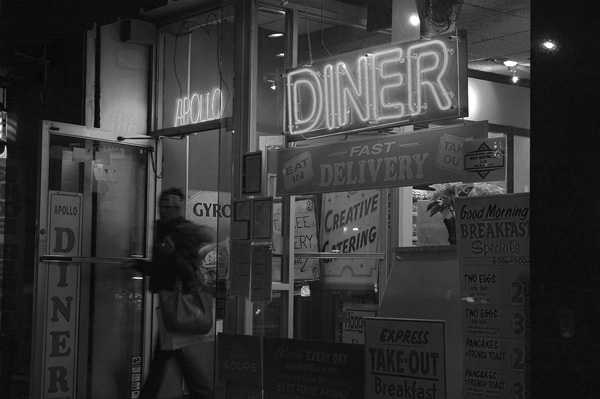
{"x": 199, "y": 107}
{"x": 393, "y": 85}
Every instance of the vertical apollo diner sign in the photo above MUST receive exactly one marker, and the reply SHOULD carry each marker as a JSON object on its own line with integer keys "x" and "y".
{"x": 390, "y": 85}
{"x": 62, "y": 302}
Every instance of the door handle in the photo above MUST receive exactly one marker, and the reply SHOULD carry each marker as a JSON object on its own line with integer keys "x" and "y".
{"x": 86, "y": 259}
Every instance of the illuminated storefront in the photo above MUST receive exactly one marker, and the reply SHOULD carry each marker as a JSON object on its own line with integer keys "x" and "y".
{"x": 310, "y": 150}
{"x": 331, "y": 141}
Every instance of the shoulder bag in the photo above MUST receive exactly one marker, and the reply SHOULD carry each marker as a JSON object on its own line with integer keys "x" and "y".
{"x": 186, "y": 312}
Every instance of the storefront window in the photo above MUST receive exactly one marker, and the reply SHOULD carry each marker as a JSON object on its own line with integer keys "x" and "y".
{"x": 332, "y": 295}
{"x": 320, "y": 38}
{"x": 196, "y": 70}
{"x": 270, "y": 65}
{"x": 348, "y": 222}
{"x": 268, "y": 319}
{"x": 326, "y": 291}
{"x": 197, "y": 92}
{"x": 195, "y": 97}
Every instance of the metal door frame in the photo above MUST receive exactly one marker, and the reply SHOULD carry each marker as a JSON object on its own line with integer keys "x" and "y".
{"x": 41, "y": 277}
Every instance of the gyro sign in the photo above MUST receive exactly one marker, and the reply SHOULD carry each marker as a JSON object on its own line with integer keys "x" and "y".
{"x": 392, "y": 85}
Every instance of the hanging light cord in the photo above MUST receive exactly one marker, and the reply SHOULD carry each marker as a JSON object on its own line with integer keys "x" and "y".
{"x": 322, "y": 41}
{"x": 310, "y": 57}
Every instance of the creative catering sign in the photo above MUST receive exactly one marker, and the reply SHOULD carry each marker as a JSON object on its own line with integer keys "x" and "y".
{"x": 350, "y": 222}
{"x": 424, "y": 157}
{"x": 389, "y": 85}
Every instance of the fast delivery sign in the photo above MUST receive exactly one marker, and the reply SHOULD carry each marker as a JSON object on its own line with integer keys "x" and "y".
{"x": 424, "y": 157}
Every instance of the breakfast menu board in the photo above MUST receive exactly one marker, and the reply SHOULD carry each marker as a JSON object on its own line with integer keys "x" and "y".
{"x": 494, "y": 261}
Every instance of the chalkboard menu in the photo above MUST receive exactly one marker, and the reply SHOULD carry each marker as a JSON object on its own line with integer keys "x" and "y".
{"x": 295, "y": 369}
{"x": 240, "y": 368}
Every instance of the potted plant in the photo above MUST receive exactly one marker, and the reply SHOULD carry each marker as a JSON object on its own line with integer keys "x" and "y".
{"x": 442, "y": 201}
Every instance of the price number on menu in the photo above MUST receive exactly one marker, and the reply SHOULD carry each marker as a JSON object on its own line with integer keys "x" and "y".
{"x": 519, "y": 391}
{"x": 519, "y": 358}
{"x": 519, "y": 323}
{"x": 518, "y": 292}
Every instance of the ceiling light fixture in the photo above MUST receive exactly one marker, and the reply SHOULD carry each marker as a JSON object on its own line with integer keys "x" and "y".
{"x": 280, "y": 55}
{"x": 510, "y": 63}
{"x": 272, "y": 35}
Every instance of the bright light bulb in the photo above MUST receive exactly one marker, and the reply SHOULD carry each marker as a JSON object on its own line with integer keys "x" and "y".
{"x": 549, "y": 44}
{"x": 510, "y": 63}
{"x": 414, "y": 20}
{"x": 305, "y": 291}
{"x": 515, "y": 79}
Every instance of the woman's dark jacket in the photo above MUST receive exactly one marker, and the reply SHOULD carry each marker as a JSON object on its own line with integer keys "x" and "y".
{"x": 165, "y": 268}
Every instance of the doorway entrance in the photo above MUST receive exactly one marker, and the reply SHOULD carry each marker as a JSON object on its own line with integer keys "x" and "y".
{"x": 95, "y": 214}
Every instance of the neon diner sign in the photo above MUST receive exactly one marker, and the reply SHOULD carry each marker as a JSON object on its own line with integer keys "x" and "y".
{"x": 199, "y": 108}
{"x": 396, "y": 85}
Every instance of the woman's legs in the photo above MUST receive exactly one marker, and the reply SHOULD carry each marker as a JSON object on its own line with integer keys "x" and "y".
{"x": 157, "y": 371}
{"x": 194, "y": 364}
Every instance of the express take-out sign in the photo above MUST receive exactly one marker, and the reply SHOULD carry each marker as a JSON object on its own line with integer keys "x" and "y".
{"x": 392, "y": 85}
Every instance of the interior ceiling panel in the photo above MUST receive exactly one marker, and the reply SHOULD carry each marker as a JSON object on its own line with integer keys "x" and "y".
{"x": 496, "y": 49}
{"x": 522, "y": 38}
{"x": 496, "y": 29}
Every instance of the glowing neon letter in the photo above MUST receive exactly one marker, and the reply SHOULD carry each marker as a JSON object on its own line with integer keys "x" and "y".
{"x": 329, "y": 82}
{"x": 217, "y": 104}
{"x": 425, "y": 60}
{"x": 388, "y": 79}
{"x": 348, "y": 90}
{"x": 305, "y": 90}
{"x": 195, "y": 99}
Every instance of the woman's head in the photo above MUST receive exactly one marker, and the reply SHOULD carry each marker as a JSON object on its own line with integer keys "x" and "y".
{"x": 170, "y": 203}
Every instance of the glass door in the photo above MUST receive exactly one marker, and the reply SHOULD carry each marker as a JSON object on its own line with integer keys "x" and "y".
{"x": 95, "y": 214}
